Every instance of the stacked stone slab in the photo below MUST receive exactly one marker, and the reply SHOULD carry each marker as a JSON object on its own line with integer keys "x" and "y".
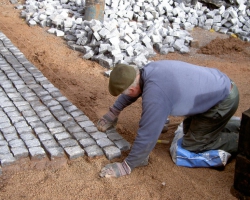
{"x": 37, "y": 121}
{"x": 133, "y": 29}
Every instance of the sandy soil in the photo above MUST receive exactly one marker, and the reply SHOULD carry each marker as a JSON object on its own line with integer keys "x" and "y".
{"x": 85, "y": 85}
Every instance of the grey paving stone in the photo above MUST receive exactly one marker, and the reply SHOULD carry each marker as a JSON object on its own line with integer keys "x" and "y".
{"x": 114, "y": 136}
{"x": 40, "y": 129}
{"x": 80, "y": 135}
{"x": 11, "y": 136}
{"x": 90, "y": 129}
{"x": 70, "y": 123}
{"x": 74, "y": 152}
{"x": 3, "y": 142}
{"x": 77, "y": 113}
{"x": 4, "y": 149}
{"x": 112, "y": 152}
{"x": 57, "y": 130}
{"x": 104, "y": 142}
{"x": 81, "y": 118}
{"x": 98, "y": 135}
{"x": 23, "y": 129}
{"x": 55, "y": 152}
{"x": 62, "y": 135}
{"x": 71, "y": 108}
{"x": 20, "y": 152}
{"x": 122, "y": 144}
{"x": 37, "y": 153}
{"x": 74, "y": 129}
{"x": 32, "y": 143}
{"x": 45, "y": 136}
{"x": 93, "y": 151}
{"x": 27, "y": 136}
{"x": 86, "y": 123}
{"x": 16, "y": 143}
{"x": 87, "y": 142}
{"x": 7, "y": 159}
{"x": 49, "y": 143}
{"x": 68, "y": 143}
{"x": 8, "y": 130}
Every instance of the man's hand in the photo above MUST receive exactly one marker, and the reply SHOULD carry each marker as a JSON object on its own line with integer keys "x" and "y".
{"x": 108, "y": 120}
{"x": 115, "y": 170}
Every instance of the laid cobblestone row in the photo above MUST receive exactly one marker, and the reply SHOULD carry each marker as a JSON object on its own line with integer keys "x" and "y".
{"x": 37, "y": 121}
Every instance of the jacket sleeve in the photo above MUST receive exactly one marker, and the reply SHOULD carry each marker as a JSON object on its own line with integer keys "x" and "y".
{"x": 123, "y": 101}
{"x": 155, "y": 111}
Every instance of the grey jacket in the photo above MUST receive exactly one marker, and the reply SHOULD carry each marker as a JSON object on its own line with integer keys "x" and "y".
{"x": 171, "y": 88}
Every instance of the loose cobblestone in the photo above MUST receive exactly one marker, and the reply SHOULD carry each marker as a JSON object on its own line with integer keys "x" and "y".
{"x": 37, "y": 121}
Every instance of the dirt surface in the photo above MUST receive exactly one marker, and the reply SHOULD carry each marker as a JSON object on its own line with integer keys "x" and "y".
{"x": 84, "y": 84}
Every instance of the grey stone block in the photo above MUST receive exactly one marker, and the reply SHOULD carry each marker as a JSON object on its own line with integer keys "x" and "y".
{"x": 20, "y": 152}
{"x": 98, "y": 135}
{"x": 74, "y": 152}
{"x": 7, "y": 159}
{"x": 16, "y": 143}
{"x": 80, "y": 135}
{"x": 112, "y": 152}
{"x": 114, "y": 136}
{"x": 32, "y": 143}
{"x": 74, "y": 129}
{"x": 68, "y": 143}
{"x": 55, "y": 152}
{"x": 37, "y": 153}
{"x": 122, "y": 144}
{"x": 4, "y": 149}
{"x": 84, "y": 124}
{"x": 49, "y": 143}
{"x": 93, "y": 151}
{"x": 45, "y": 136}
{"x": 87, "y": 142}
{"x": 90, "y": 129}
{"x": 62, "y": 135}
{"x": 104, "y": 142}
{"x": 11, "y": 136}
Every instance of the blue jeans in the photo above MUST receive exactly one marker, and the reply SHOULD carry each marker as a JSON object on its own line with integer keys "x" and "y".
{"x": 214, "y": 129}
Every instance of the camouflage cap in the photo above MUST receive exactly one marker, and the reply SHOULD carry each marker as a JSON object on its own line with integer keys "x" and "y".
{"x": 121, "y": 77}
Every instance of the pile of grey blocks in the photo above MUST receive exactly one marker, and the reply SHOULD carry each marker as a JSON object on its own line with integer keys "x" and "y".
{"x": 133, "y": 29}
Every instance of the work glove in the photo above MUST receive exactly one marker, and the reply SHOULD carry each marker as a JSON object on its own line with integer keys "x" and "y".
{"x": 115, "y": 170}
{"x": 119, "y": 169}
{"x": 108, "y": 120}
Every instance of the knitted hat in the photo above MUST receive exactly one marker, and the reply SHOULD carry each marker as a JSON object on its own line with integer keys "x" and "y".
{"x": 121, "y": 77}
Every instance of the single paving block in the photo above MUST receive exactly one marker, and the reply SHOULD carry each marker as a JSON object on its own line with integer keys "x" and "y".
{"x": 49, "y": 143}
{"x": 93, "y": 151}
{"x": 80, "y": 135}
{"x": 16, "y": 143}
{"x": 55, "y": 152}
{"x": 98, "y": 135}
{"x": 20, "y": 152}
{"x": 90, "y": 129}
{"x": 87, "y": 142}
{"x": 114, "y": 136}
{"x": 112, "y": 152}
{"x": 104, "y": 142}
{"x": 32, "y": 143}
{"x": 122, "y": 144}
{"x": 68, "y": 142}
{"x": 74, "y": 152}
{"x": 37, "y": 153}
{"x": 45, "y": 136}
{"x": 86, "y": 123}
{"x": 7, "y": 159}
{"x": 62, "y": 136}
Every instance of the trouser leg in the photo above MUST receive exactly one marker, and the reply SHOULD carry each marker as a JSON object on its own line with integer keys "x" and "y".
{"x": 213, "y": 129}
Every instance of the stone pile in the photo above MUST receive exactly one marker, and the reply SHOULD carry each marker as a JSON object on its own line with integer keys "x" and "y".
{"x": 133, "y": 29}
